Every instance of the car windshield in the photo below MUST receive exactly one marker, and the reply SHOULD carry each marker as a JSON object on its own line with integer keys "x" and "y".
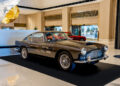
{"x": 56, "y": 36}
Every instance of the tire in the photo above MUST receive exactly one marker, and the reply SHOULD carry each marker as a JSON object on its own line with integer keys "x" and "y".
{"x": 65, "y": 61}
{"x": 24, "y": 53}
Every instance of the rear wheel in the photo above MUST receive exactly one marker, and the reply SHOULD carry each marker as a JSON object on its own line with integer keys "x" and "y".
{"x": 65, "y": 61}
{"x": 24, "y": 53}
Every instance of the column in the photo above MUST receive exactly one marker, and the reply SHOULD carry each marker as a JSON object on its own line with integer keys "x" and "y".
{"x": 31, "y": 22}
{"x": 66, "y": 19}
{"x": 117, "y": 39}
{"x": 104, "y": 20}
{"x": 36, "y": 21}
{"x": 40, "y": 21}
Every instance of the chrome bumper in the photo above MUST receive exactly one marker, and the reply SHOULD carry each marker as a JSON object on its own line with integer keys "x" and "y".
{"x": 89, "y": 60}
{"x": 17, "y": 49}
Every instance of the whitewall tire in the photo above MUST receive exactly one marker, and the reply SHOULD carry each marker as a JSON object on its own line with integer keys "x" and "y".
{"x": 65, "y": 61}
{"x": 24, "y": 53}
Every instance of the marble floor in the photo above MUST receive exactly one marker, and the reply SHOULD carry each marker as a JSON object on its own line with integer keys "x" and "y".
{"x": 15, "y": 75}
{"x": 12, "y": 74}
{"x": 114, "y": 54}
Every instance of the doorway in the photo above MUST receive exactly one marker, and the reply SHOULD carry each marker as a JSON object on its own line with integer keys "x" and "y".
{"x": 53, "y": 28}
{"x": 89, "y": 31}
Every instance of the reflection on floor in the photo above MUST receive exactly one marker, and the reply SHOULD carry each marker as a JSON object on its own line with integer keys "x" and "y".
{"x": 44, "y": 72}
{"x": 7, "y": 52}
{"x": 14, "y": 75}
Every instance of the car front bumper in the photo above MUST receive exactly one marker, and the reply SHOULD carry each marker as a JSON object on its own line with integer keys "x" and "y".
{"x": 89, "y": 60}
{"x": 17, "y": 49}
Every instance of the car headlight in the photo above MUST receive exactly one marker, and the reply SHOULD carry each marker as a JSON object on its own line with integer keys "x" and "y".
{"x": 105, "y": 48}
{"x": 83, "y": 51}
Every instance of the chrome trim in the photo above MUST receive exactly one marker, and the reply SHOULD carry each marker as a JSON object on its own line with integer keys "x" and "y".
{"x": 17, "y": 49}
{"x": 89, "y": 60}
{"x": 94, "y": 53}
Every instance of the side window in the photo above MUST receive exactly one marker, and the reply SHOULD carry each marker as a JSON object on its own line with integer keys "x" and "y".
{"x": 49, "y": 36}
{"x": 28, "y": 39}
{"x": 37, "y": 38}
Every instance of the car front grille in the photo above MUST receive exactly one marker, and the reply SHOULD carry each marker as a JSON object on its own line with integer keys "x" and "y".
{"x": 95, "y": 54}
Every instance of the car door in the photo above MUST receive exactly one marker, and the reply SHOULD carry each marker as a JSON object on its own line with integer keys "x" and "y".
{"x": 37, "y": 43}
{"x": 49, "y": 46}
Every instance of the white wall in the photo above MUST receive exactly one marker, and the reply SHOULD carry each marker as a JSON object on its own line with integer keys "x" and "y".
{"x": 8, "y": 37}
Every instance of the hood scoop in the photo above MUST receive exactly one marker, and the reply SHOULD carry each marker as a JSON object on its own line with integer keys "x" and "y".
{"x": 89, "y": 43}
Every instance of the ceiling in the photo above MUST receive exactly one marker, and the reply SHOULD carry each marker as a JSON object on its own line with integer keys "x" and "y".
{"x": 44, "y": 3}
{"x": 27, "y": 11}
{"x": 41, "y": 4}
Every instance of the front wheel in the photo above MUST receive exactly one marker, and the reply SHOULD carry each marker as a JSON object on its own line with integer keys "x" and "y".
{"x": 24, "y": 53}
{"x": 65, "y": 61}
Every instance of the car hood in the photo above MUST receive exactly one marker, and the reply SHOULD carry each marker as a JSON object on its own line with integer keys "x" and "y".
{"x": 80, "y": 44}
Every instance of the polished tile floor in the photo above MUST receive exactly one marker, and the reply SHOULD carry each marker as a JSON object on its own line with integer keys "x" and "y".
{"x": 114, "y": 54}
{"x": 15, "y": 75}
{"x": 16, "y": 72}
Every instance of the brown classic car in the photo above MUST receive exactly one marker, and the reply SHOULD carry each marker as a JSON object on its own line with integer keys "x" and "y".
{"x": 58, "y": 45}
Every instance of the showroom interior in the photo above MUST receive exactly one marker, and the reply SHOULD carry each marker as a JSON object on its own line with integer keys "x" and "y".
{"x": 69, "y": 18}
{"x": 96, "y": 20}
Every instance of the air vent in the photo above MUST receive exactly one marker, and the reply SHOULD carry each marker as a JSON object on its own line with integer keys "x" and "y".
{"x": 89, "y": 43}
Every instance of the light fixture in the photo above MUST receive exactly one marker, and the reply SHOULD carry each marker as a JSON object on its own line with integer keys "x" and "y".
{"x": 8, "y": 11}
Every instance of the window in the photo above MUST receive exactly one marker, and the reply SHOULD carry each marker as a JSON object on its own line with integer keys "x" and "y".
{"x": 49, "y": 36}
{"x": 56, "y": 36}
{"x": 28, "y": 39}
{"x": 37, "y": 38}
{"x": 90, "y": 31}
{"x": 53, "y": 28}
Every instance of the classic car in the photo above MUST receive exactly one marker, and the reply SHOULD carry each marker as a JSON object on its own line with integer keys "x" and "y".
{"x": 74, "y": 37}
{"x": 59, "y": 46}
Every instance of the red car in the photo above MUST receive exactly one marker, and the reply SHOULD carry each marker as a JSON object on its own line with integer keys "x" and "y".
{"x": 80, "y": 38}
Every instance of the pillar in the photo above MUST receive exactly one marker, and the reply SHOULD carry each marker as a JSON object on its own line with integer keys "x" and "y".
{"x": 104, "y": 20}
{"x": 40, "y": 21}
{"x": 117, "y": 38}
{"x": 66, "y": 19}
{"x": 36, "y": 21}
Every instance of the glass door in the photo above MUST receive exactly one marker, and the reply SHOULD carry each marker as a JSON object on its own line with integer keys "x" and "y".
{"x": 76, "y": 30}
{"x": 89, "y": 31}
{"x": 53, "y": 28}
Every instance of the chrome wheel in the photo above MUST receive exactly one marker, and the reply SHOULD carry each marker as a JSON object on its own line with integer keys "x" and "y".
{"x": 24, "y": 53}
{"x": 65, "y": 61}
